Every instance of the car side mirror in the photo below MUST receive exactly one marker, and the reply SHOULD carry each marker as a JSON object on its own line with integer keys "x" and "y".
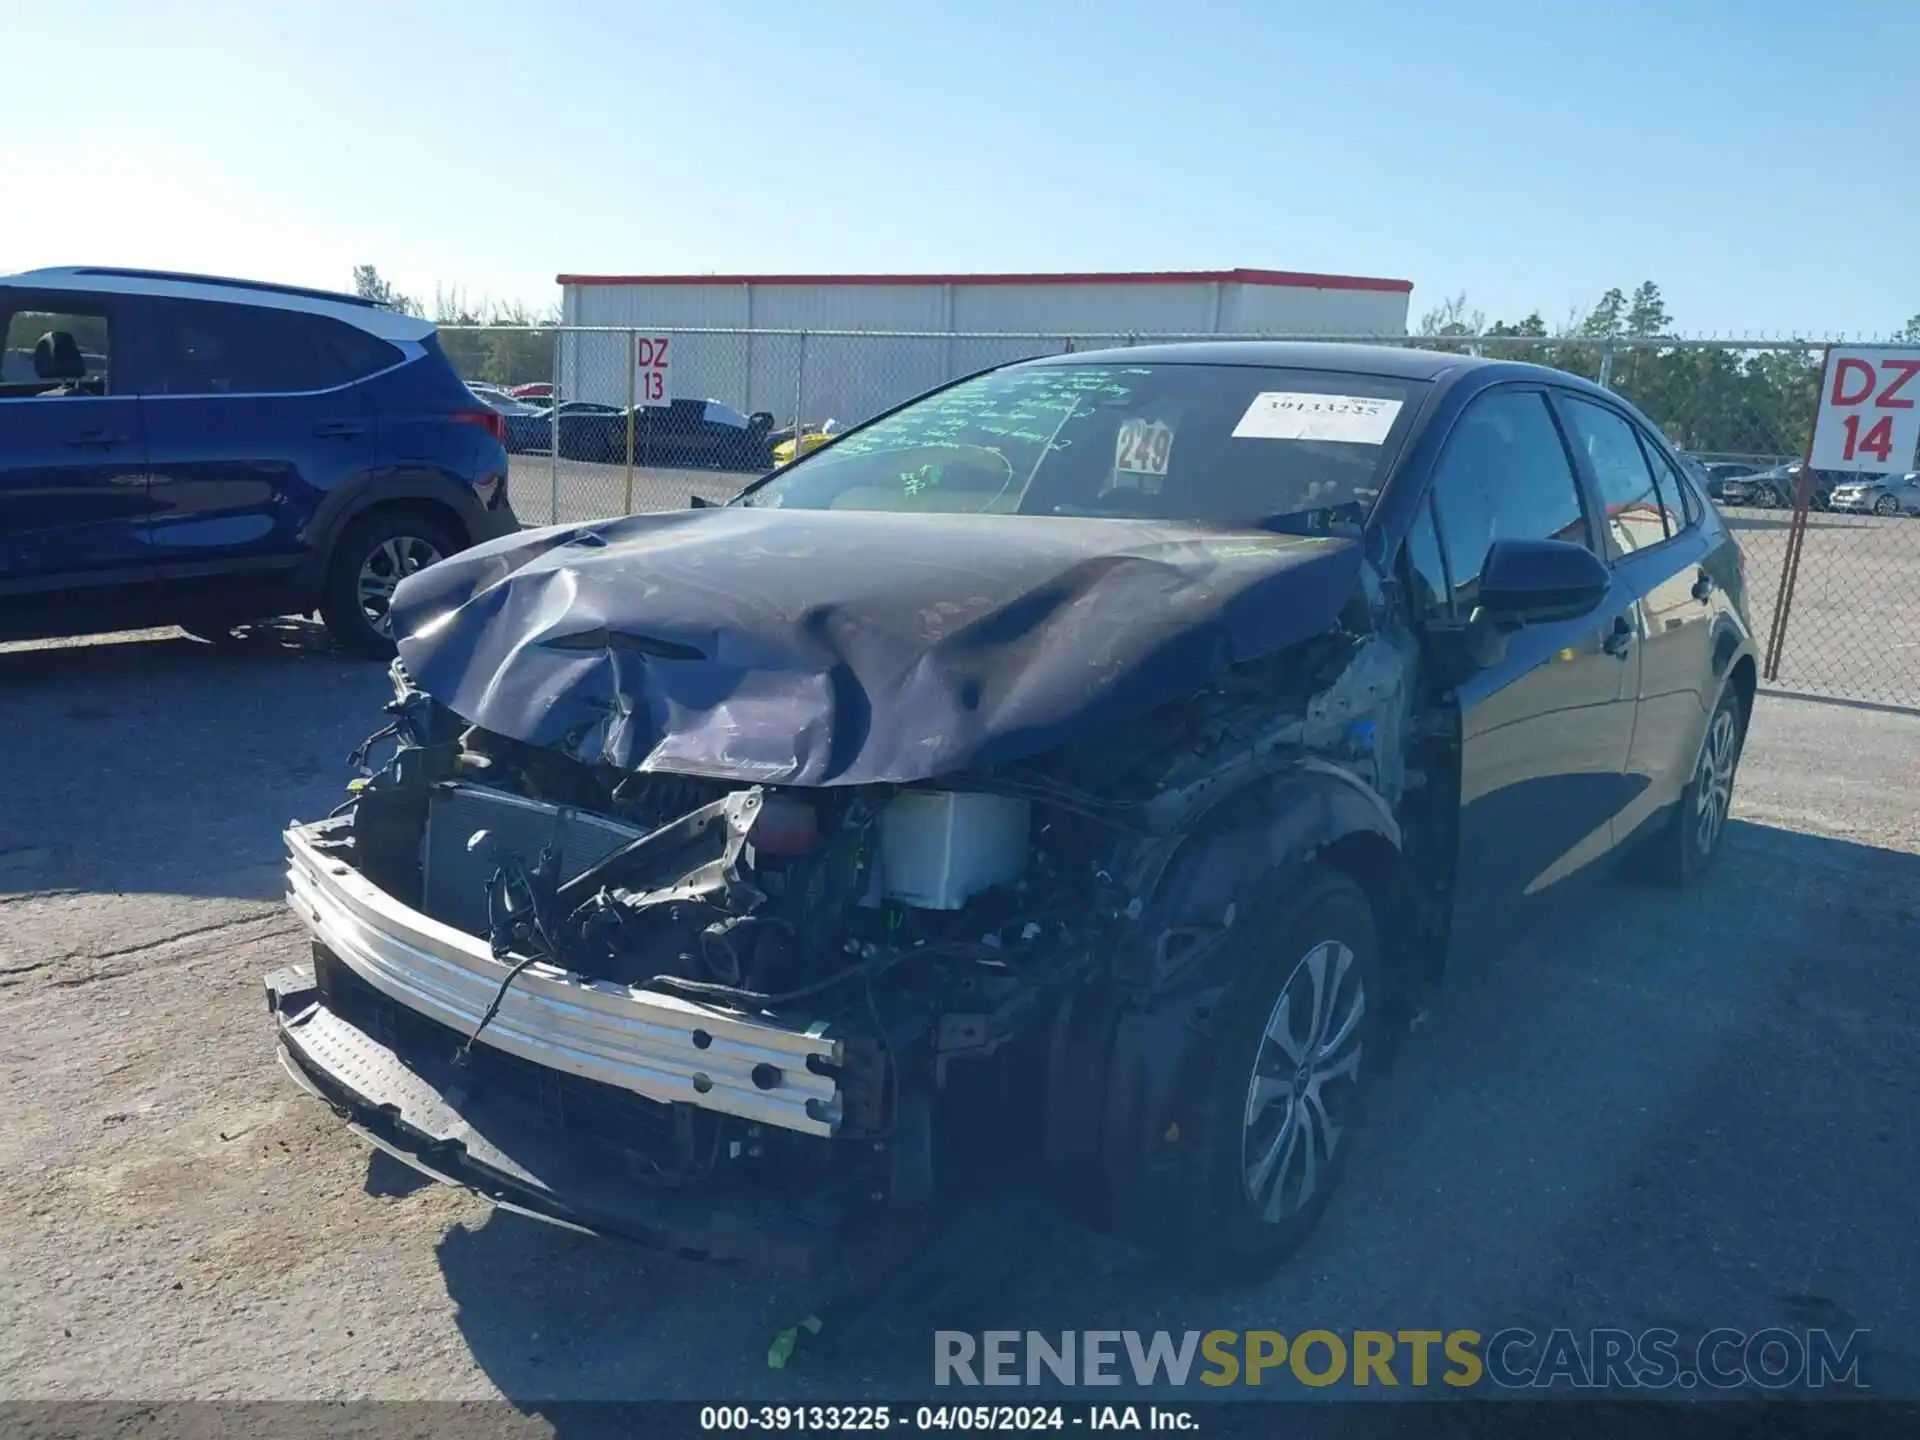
{"x": 1526, "y": 582}
{"x": 1530, "y": 582}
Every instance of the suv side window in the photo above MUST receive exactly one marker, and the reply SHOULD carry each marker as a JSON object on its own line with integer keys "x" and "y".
{"x": 346, "y": 354}
{"x": 1505, "y": 475}
{"x": 210, "y": 348}
{"x": 54, "y": 347}
{"x": 1635, "y": 512}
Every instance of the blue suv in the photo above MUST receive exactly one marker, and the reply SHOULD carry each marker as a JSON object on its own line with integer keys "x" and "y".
{"x": 195, "y": 451}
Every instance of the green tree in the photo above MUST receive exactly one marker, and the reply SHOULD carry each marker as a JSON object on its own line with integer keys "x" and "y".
{"x": 369, "y": 285}
{"x": 1910, "y": 332}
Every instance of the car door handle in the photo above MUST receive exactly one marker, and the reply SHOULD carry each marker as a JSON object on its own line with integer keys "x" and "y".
{"x": 1703, "y": 587}
{"x": 1620, "y": 638}
{"x": 98, "y": 439}
{"x": 339, "y": 429}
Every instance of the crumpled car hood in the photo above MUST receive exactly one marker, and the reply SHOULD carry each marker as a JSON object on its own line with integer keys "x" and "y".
{"x": 849, "y": 647}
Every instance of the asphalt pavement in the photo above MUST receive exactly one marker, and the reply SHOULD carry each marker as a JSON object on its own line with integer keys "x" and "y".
{"x": 1685, "y": 1110}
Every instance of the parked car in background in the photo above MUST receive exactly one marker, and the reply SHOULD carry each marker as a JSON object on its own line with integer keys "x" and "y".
{"x": 244, "y": 450}
{"x": 503, "y": 402}
{"x": 1777, "y": 488}
{"x": 1718, "y": 472}
{"x": 786, "y": 447}
{"x": 685, "y": 434}
{"x": 532, "y": 427}
{"x": 1878, "y": 495}
{"x": 537, "y": 390}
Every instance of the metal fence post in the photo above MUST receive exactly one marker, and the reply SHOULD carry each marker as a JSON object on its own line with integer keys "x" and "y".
{"x": 799, "y": 394}
{"x": 633, "y": 367}
{"x": 553, "y": 432}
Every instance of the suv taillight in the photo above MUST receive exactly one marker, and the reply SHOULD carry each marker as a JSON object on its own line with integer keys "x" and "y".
{"x": 488, "y": 419}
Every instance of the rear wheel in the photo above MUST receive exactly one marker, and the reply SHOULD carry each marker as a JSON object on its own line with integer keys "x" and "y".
{"x": 1886, "y": 505}
{"x": 1688, "y": 845}
{"x": 1284, "y": 1080}
{"x": 373, "y": 556}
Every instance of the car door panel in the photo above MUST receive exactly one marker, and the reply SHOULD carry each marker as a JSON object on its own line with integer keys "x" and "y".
{"x": 1544, "y": 741}
{"x": 1659, "y": 553}
{"x": 73, "y": 463}
{"x": 1545, "y": 729}
{"x": 244, "y": 439}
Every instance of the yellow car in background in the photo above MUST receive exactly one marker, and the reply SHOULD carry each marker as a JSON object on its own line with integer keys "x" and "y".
{"x": 810, "y": 439}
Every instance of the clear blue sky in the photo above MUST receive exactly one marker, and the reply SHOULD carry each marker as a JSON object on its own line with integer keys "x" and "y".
{"x": 1756, "y": 159}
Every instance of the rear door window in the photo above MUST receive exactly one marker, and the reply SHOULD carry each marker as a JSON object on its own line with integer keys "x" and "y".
{"x": 209, "y": 348}
{"x": 1678, "y": 497}
{"x": 54, "y": 347}
{"x": 1636, "y": 514}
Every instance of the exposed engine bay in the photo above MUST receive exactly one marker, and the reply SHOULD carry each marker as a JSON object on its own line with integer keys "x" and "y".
{"x": 882, "y": 977}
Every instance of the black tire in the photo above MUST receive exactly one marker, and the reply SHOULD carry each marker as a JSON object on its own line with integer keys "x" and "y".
{"x": 1769, "y": 498}
{"x": 1886, "y": 505}
{"x": 1688, "y": 844}
{"x": 1232, "y": 1217}
{"x": 385, "y": 540}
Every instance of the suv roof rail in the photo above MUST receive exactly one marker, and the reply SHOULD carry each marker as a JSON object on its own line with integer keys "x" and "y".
{"x": 339, "y": 297}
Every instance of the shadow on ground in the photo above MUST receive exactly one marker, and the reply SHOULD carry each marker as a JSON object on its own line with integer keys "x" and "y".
{"x": 1663, "y": 1110}
{"x": 193, "y": 757}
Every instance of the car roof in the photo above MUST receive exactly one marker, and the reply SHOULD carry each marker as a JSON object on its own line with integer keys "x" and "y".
{"x": 360, "y": 313}
{"x": 1400, "y": 362}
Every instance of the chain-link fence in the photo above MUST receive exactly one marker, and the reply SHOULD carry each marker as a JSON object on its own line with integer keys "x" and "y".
{"x": 622, "y": 420}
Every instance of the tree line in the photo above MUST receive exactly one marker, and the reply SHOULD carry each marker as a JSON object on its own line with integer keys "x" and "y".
{"x": 501, "y": 342}
{"x": 1738, "y": 402}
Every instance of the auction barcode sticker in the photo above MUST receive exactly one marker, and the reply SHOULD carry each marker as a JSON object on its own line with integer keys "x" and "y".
{"x": 1298, "y": 415}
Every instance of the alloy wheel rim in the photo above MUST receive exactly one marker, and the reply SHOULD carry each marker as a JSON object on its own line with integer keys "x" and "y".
{"x": 1305, "y": 1071}
{"x": 1713, "y": 783}
{"x": 391, "y": 561}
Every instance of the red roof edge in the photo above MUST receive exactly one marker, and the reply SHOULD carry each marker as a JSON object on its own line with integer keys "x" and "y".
{"x": 1293, "y": 279}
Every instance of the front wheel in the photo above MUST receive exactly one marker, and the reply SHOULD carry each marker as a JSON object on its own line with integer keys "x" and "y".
{"x": 1284, "y": 1079}
{"x": 1886, "y": 505}
{"x": 370, "y": 559}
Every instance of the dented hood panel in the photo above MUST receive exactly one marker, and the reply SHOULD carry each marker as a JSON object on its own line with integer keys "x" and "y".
{"x": 837, "y": 648}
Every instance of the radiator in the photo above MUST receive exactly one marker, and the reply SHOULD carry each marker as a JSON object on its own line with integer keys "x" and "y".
{"x": 454, "y": 872}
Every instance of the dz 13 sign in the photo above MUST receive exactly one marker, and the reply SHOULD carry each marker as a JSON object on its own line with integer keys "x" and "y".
{"x": 651, "y": 369}
{"x": 1869, "y": 416}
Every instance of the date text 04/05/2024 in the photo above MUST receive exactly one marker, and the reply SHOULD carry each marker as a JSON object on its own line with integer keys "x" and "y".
{"x": 803, "y": 1419}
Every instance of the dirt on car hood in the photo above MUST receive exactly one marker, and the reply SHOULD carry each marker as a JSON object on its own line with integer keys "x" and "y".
{"x": 837, "y": 648}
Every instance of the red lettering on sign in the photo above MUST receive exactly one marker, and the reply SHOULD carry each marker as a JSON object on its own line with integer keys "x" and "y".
{"x": 1906, "y": 369}
{"x": 1877, "y": 442}
{"x": 1868, "y": 380}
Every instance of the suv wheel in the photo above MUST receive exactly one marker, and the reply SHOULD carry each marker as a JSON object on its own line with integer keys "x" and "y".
{"x": 374, "y": 555}
{"x": 1886, "y": 505}
{"x": 1286, "y": 1076}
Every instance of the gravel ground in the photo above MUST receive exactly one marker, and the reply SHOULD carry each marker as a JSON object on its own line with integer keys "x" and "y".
{"x": 1675, "y": 1111}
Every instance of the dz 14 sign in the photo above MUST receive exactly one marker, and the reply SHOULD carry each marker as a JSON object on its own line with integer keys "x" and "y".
{"x": 1869, "y": 416}
{"x": 650, "y": 369}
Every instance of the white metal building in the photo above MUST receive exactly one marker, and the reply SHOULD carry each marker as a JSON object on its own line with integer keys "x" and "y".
{"x": 780, "y": 343}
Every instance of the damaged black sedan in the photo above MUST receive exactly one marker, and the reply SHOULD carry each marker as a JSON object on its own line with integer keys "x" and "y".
{"x": 1080, "y": 774}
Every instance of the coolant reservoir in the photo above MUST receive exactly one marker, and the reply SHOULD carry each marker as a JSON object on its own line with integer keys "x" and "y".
{"x": 940, "y": 848}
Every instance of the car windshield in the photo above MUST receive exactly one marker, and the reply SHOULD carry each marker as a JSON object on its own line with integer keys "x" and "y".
{"x": 1230, "y": 444}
